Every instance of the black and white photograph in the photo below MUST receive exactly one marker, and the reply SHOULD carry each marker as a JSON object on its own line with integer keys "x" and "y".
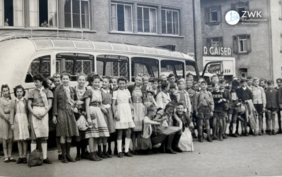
{"x": 141, "y": 88}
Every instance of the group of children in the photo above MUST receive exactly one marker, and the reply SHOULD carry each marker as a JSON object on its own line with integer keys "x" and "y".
{"x": 153, "y": 114}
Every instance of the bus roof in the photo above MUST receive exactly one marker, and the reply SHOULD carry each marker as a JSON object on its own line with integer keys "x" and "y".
{"x": 76, "y": 44}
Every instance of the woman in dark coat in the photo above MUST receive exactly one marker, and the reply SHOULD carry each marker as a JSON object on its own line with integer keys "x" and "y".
{"x": 65, "y": 103}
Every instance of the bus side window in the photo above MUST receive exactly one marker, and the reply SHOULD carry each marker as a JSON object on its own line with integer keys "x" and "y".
{"x": 74, "y": 63}
{"x": 40, "y": 65}
{"x": 140, "y": 65}
{"x": 113, "y": 65}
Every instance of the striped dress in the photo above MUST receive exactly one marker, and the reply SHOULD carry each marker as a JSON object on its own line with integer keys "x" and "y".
{"x": 100, "y": 128}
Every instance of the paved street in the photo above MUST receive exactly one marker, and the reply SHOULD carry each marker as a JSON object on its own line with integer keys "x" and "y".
{"x": 245, "y": 156}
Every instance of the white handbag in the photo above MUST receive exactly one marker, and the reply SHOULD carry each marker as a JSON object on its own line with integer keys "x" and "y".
{"x": 81, "y": 123}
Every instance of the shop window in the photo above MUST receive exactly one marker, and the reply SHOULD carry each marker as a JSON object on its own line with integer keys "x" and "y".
{"x": 11, "y": 13}
{"x": 147, "y": 19}
{"x": 113, "y": 65}
{"x": 39, "y": 65}
{"x": 43, "y": 13}
{"x": 213, "y": 15}
{"x": 77, "y": 14}
{"x": 242, "y": 44}
{"x": 243, "y": 72}
{"x": 170, "y": 21}
{"x": 240, "y": 7}
{"x": 74, "y": 63}
{"x": 121, "y": 17}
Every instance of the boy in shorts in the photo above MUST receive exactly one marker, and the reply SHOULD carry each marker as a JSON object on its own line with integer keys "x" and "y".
{"x": 272, "y": 105}
{"x": 204, "y": 107}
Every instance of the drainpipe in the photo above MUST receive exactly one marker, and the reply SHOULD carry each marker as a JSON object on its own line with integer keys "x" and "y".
{"x": 270, "y": 42}
{"x": 195, "y": 43}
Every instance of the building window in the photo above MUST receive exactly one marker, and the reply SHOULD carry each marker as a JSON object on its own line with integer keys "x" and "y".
{"x": 11, "y": 13}
{"x": 242, "y": 44}
{"x": 240, "y": 7}
{"x": 77, "y": 14}
{"x": 213, "y": 15}
{"x": 170, "y": 21}
{"x": 121, "y": 17}
{"x": 43, "y": 13}
{"x": 147, "y": 19}
{"x": 214, "y": 42}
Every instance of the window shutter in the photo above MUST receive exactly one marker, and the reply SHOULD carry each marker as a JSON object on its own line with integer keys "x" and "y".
{"x": 18, "y": 13}
{"x": 207, "y": 15}
{"x": 249, "y": 44}
{"x": 247, "y": 6}
{"x": 33, "y": 13}
{"x": 52, "y": 13}
{"x": 208, "y": 44}
{"x": 233, "y": 7}
{"x": 220, "y": 42}
{"x": 235, "y": 44}
{"x": 219, "y": 16}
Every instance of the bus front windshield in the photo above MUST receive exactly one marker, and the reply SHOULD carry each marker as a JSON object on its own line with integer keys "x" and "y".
{"x": 172, "y": 67}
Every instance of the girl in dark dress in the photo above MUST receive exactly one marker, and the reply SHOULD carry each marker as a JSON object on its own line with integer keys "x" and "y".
{"x": 63, "y": 115}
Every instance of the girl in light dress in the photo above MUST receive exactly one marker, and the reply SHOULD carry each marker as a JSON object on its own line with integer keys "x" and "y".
{"x": 6, "y": 133}
{"x": 19, "y": 122}
{"x": 138, "y": 93}
{"x": 122, "y": 106}
{"x": 98, "y": 132}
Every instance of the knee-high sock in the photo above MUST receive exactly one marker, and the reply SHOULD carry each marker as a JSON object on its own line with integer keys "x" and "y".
{"x": 234, "y": 128}
{"x": 119, "y": 142}
{"x": 127, "y": 144}
{"x": 32, "y": 146}
{"x": 44, "y": 150}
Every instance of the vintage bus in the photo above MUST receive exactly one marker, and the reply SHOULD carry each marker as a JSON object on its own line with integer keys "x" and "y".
{"x": 20, "y": 59}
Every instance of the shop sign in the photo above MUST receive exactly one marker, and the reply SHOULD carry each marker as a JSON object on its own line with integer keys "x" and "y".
{"x": 222, "y": 51}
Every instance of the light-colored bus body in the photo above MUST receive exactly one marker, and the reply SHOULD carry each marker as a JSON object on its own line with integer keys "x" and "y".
{"x": 16, "y": 56}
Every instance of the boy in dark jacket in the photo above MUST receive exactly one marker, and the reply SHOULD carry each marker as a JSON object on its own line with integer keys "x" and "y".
{"x": 218, "y": 115}
{"x": 272, "y": 105}
{"x": 244, "y": 94}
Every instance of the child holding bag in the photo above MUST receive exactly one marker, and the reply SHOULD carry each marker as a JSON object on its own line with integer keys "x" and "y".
{"x": 19, "y": 122}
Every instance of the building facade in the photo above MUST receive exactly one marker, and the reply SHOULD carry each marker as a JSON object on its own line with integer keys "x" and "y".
{"x": 150, "y": 23}
{"x": 250, "y": 48}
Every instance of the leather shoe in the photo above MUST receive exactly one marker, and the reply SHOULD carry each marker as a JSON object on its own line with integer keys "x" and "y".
{"x": 170, "y": 151}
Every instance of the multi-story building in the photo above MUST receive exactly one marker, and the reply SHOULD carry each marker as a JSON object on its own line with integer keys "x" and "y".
{"x": 141, "y": 22}
{"x": 250, "y": 48}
